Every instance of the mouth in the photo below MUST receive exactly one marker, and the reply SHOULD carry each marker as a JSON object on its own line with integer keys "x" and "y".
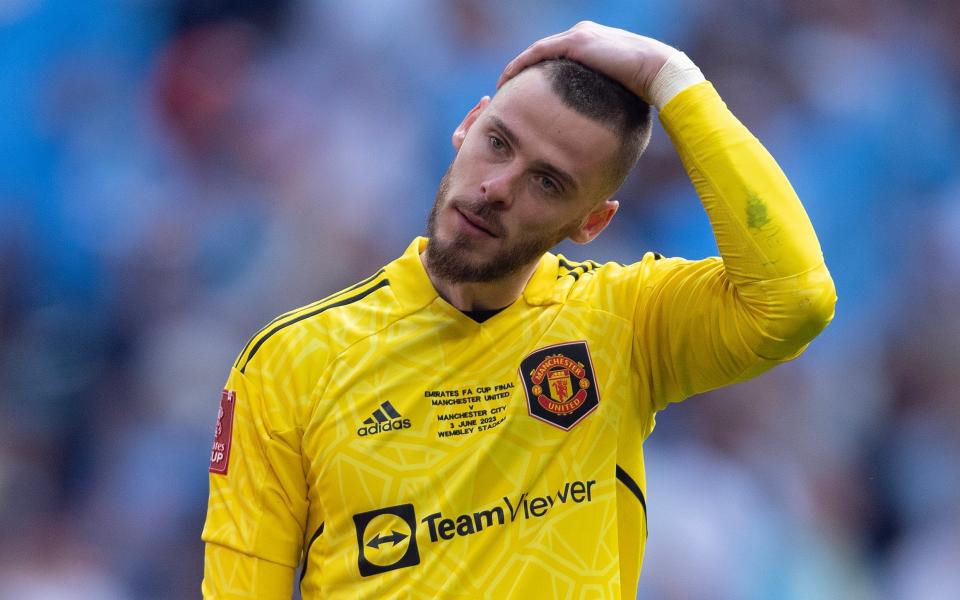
{"x": 477, "y": 223}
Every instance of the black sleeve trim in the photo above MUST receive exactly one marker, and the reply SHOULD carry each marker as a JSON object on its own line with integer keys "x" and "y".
{"x": 632, "y": 486}
{"x": 306, "y": 554}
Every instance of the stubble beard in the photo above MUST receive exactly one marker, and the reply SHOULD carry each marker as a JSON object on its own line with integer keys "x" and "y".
{"x": 447, "y": 260}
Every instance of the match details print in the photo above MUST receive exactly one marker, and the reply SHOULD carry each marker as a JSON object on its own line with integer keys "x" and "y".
{"x": 220, "y": 452}
{"x": 468, "y": 409}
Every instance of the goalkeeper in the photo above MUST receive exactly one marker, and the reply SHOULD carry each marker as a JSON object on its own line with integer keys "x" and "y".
{"x": 469, "y": 421}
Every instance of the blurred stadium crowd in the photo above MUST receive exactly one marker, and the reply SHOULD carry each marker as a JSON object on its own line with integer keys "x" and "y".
{"x": 173, "y": 174}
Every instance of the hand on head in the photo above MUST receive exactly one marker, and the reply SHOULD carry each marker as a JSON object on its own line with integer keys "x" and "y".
{"x": 632, "y": 60}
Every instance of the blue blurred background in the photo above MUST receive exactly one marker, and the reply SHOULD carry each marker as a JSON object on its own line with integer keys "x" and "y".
{"x": 173, "y": 174}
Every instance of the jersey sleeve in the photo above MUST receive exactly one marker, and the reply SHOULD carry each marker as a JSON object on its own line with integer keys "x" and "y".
{"x": 707, "y": 323}
{"x": 257, "y": 506}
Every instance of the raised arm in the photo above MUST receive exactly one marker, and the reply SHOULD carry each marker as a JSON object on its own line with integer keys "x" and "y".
{"x": 707, "y": 323}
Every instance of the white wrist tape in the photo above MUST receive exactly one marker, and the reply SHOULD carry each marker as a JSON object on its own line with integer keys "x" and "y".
{"x": 676, "y": 75}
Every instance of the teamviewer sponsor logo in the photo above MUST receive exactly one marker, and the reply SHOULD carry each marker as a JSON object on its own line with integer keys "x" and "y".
{"x": 385, "y": 418}
{"x": 387, "y": 539}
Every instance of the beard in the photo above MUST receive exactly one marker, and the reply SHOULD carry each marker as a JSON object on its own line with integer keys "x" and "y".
{"x": 448, "y": 260}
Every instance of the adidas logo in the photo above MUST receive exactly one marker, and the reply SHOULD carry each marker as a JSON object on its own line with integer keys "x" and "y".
{"x": 385, "y": 418}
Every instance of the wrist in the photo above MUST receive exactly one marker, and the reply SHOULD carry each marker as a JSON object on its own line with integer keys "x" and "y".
{"x": 677, "y": 74}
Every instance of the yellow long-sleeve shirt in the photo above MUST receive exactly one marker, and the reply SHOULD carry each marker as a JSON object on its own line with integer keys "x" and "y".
{"x": 396, "y": 447}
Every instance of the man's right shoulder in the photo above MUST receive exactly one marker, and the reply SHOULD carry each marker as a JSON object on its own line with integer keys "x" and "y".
{"x": 323, "y": 328}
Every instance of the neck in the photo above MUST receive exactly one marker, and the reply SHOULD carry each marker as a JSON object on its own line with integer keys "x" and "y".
{"x": 487, "y": 295}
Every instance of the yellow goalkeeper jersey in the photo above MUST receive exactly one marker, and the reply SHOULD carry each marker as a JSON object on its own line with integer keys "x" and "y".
{"x": 391, "y": 446}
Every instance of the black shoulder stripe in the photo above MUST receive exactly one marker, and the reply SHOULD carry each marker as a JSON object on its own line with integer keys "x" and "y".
{"x": 307, "y": 315}
{"x": 571, "y": 268}
{"x": 632, "y": 486}
{"x": 306, "y": 553}
{"x": 303, "y": 308}
{"x": 330, "y": 297}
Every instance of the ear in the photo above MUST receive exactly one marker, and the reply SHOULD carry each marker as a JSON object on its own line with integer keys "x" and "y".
{"x": 595, "y": 222}
{"x": 460, "y": 133}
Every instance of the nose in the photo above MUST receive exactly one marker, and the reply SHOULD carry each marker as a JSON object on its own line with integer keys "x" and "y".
{"x": 499, "y": 187}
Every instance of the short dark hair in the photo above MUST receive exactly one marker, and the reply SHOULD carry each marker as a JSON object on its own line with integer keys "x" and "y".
{"x": 606, "y": 101}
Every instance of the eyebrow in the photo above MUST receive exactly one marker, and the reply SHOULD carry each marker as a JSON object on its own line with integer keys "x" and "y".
{"x": 540, "y": 164}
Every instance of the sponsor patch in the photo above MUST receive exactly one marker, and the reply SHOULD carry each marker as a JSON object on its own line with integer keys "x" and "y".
{"x": 387, "y": 539}
{"x": 220, "y": 452}
{"x": 559, "y": 384}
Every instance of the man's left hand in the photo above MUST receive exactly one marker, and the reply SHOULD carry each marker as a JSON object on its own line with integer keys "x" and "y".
{"x": 631, "y": 59}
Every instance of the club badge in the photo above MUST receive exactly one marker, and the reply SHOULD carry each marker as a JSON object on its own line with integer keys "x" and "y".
{"x": 560, "y": 385}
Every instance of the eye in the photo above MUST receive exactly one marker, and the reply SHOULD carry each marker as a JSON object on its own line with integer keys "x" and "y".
{"x": 496, "y": 143}
{"x": 547, "y": 185}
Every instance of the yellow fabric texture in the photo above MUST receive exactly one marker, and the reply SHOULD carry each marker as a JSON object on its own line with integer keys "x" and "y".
{"x": 397, "y": 448}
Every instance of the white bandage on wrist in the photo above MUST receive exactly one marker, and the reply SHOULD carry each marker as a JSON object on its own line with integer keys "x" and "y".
{"x": 676, "y": 75}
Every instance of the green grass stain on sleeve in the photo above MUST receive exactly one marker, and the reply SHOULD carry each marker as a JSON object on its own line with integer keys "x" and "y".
{"x": 756, "y": 212}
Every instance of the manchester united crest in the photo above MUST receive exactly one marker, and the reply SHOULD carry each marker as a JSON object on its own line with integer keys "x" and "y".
{"x": 559, "y": 384}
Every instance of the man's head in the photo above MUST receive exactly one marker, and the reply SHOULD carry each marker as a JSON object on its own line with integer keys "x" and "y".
{"x": 534, "y": 166}
{"x": 602, "y": 99}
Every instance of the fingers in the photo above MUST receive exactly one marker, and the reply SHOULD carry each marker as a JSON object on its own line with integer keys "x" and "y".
{"x": 554, "y": 46}
{"x": 632, "y": 60}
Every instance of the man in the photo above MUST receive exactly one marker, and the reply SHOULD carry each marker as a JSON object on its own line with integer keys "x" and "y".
{"x": 468, "y": 422}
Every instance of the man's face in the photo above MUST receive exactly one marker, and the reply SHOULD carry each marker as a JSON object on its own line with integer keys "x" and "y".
{"x": 529, "y": 172}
